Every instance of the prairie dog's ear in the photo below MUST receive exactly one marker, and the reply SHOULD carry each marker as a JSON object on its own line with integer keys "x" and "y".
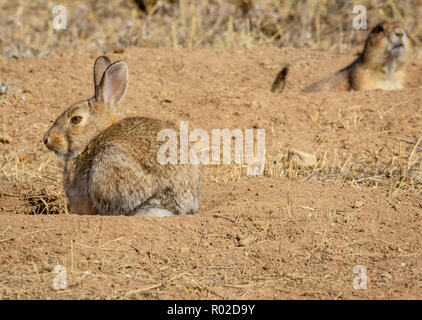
{"x": 100, "y": 66}
{"x": 113, "y": 84}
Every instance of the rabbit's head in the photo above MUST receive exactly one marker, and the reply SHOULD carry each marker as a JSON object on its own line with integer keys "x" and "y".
{"x": 81, "y": 122}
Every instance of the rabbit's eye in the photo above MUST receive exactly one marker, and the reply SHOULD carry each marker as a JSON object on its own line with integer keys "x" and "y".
{"x": 76, "y": 119}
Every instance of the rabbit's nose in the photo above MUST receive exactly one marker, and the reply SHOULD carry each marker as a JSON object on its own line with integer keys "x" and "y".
{"x": 46, "y": 140}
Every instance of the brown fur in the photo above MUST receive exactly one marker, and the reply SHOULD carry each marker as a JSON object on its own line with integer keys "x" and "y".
{"x": 379, "y": 66}
{"x": 111, "y": 167}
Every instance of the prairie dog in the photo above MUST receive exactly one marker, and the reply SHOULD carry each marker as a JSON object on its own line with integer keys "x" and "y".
{"x": 381, "y": 65}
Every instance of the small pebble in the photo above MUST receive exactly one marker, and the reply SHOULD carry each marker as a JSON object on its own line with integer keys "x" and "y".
{"x": 358, "y": 204}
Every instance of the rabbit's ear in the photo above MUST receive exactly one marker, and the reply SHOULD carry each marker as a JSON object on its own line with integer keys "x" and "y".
{"x": 113, "y": 84}
{"x": 100, "y": 66}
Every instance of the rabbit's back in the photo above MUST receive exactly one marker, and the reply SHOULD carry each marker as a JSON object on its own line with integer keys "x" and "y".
{"x": 122, "y": 174}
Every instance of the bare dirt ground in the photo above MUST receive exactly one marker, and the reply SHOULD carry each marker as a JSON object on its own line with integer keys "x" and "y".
{"x": 288, "y": 234}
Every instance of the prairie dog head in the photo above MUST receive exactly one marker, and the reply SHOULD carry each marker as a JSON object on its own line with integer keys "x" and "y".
{"x": 387, "y": 43}
{"x": 81, "y": 122}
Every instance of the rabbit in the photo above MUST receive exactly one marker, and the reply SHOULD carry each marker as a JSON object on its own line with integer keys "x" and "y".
{"x": 110, "y": 166}
{"x": 382, "y": 64}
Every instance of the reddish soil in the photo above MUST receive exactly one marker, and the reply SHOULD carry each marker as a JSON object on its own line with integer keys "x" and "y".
{"x": 264, "y": 237}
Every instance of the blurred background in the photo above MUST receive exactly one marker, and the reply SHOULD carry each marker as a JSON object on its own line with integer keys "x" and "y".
{"x": 93, "y": 26}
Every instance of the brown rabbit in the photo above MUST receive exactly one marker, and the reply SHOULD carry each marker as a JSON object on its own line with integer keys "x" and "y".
{"x": 111, "y": 167}
{"x": 381, "y": 65}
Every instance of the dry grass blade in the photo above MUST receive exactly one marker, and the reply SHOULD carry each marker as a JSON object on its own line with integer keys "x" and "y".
{"x": 410, "y": 161}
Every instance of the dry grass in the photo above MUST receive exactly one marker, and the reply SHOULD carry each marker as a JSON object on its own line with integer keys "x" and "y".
{"x": 5, "y": 86}
{"x": 40, "y": 183}
{"x": 402, "y": 173}
{"x": 399, "y": 175}
{"x": 26, "y": 26}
